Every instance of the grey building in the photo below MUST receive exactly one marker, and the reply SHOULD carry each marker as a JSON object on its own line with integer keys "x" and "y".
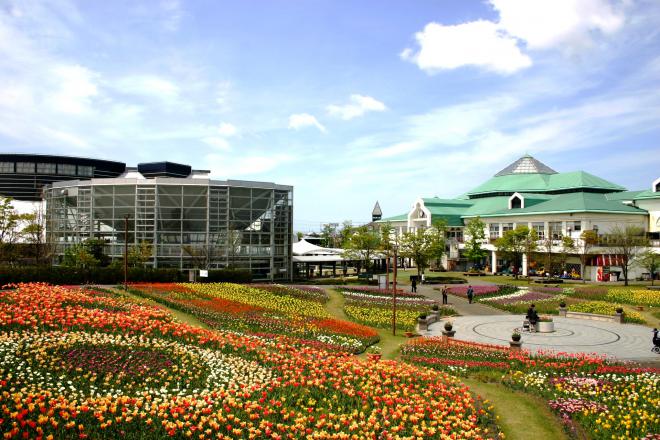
{"x": 190, "y": 220}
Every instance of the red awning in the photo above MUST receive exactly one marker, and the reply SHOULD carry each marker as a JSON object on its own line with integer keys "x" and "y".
{"x": 607, "y": 260}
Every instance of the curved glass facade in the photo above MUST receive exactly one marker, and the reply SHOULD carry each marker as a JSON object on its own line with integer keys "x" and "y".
{"x": 191, "y": 223}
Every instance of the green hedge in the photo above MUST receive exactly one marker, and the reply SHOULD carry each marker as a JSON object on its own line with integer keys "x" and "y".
{"x": 111, "y": 275}
{"x": 98, "y": 275}
{"x": 227, "y": 276}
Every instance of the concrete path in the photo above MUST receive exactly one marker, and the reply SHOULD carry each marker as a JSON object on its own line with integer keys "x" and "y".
{"x": 461, "y": 305}
{"x": 621, "y": 341}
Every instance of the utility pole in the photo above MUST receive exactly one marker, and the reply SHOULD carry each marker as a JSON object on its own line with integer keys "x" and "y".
{"x": 394, "y": 295}
{"x": 126, "y": 252}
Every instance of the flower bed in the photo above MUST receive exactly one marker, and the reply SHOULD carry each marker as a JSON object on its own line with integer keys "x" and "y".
{"x": 606, "y": 399}
{"x": 108, "y": 374}
{"x": 481, "y": 291}
{"x": 605, "y": 308}
{"x": 250, "y": 310}
{"x": 634, "y": 296}
{"x": 522, "y": 297}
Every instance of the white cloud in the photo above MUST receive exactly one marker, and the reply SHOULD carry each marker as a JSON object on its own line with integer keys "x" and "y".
{"x": 75, "y": 86}
{"x": 148, "y": 85}
{"x": 236, "y": 166}
{"x": 302, "y": 120}
{"x": 173, "y": 13}
{"x": 398, "y": 149}
{"x": 217, "y": 142}
{"x": 226, "y": 129}
{"x": 358, "y": 106}
{"x": 497, "y": 46}
{"x": 477, "y": 43}
{"x": 544, "y": 24}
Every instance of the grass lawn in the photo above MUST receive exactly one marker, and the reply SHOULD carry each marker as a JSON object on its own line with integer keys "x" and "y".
{"x": 520, "y": 415}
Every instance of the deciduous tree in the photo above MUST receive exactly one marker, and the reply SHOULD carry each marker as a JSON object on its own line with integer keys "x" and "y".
{"x": 627, "y": 242}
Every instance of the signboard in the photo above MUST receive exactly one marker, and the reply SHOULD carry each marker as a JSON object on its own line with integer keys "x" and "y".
{"x": 203, "y": 273}
{"x": 382, "y": 282}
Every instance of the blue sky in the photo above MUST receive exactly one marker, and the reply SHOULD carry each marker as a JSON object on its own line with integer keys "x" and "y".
{"x": 350, "y": 102}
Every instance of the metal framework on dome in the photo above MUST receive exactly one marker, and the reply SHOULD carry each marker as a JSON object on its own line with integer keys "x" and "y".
{"x": 526, "y": 165}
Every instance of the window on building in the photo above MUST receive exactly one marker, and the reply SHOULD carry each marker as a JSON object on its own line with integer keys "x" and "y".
{"x": 66, "y": 169}
{"x": 507, "y": 227}
{"x": 25, "y": 167}
{"x": 539, "y": 227}
{"x": 516, "y": 203}
{"x": 555, "y": 230}
{"x": 85, "y": 171}
{"x": 576, "y": 226}
{"x": 494, "y": 229}
{"x": 46, "y": 168}
{"x": 6, "y": 167}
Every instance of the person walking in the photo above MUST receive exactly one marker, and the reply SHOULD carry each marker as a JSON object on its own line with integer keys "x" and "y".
{"x": 414, "y": 285}
{"x": 470, "y": 294}
{"x": 444, "y": 295}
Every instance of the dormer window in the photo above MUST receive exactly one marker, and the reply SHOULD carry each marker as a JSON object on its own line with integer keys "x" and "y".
{"x": 656, "y": 186}
{"x": 516, "y": 201}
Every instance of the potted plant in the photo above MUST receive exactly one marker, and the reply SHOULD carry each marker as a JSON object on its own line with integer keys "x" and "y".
{"x": 545, "y": 325}
{"x": 515, "y": 337}
{"x": 515, "y": 342}
{"x": 448, "y": 332}
{"x": 562, "y": 308}
{"x": 619, "y": 310}
{"x": 374, "y": 353}
{"x": 422, "y": 322}
{"x": 435, "y": 307}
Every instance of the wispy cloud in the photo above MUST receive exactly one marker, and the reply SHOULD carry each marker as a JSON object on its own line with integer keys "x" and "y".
{"x": 298, "y": 121}
{"x": 357, "y": 106}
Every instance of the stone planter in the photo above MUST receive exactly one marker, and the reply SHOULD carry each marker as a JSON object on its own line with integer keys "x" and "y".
{"x": 515, "y": 345}
{"x": 422, "y": 324}
{"x": 619, "y": 317}
{"x": 545, "y": 326}
{"x": 449, "y": 333}
{"x": 562, "y": 311}
{"x": 433, "y": 315}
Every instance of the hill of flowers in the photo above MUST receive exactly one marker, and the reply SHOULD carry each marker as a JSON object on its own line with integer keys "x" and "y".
{"x": 606, "y": 308}
{"x": 79, "y": 363}
{"x": 608, "y": 400}
{"x": 263, "y": 310}
{"x": 373, "y": 307}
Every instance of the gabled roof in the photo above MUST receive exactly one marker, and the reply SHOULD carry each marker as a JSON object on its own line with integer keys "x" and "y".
{"x": 647, "y": 195}
{"x": 526, "y": 165}
{"x": 396, "y": 218}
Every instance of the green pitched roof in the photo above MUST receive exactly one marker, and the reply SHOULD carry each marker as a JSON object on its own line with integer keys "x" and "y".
{"x": 396, "y": 218}
{"x": 648, "y": 194}
{"x": 542, "y": 183}
{"x": 567, "y": 203}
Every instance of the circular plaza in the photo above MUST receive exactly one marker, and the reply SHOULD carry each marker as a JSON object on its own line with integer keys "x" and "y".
{"x": 622, "y": 341}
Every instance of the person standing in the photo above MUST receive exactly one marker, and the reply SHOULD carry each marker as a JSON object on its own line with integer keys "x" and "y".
{"x": 470, "y": 294}
{"x": 414, "y": 285}
{"x": 444, "y": 295}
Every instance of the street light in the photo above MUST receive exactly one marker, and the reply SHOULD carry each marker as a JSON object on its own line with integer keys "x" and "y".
{"x": 395, "y": 248}
{"x": 126, "y": 252}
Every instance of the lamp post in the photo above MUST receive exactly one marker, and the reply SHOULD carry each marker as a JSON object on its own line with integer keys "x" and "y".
{"x": 126, "y": 252}
{"x": 395, "y": 248}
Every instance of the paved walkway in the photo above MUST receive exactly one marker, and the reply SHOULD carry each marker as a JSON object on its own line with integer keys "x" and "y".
{"x": 622, "y": 341}
{"x": 461, "y": 305}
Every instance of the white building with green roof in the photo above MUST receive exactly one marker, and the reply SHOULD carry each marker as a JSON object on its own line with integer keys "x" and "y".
{"x": 552, "y": 203}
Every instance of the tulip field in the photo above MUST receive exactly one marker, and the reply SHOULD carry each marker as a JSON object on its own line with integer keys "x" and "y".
{"x": 373, "y": 307}
{"x": 262, "y": 310}
{"x": 82, "y": 363}
{"x": 589, "y": 394}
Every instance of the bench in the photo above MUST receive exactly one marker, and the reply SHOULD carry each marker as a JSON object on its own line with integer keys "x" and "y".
{"x": 618, "y": 318}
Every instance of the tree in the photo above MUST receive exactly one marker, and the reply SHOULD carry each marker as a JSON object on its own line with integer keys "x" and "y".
{"x": 414, "y": 244}
{"x": 300, "y": 235}
{"x": 437, "y": 237}
{"x": 361, "y": 245}
{"x": 329, "y": 235}
{"x": 588, "y": 240}
{"x": 627, "y": 243}
{"x": 650, "y": 261}
{"x": 567, "y": 248}
{"x": 139, "y": 255}
{"x": 475, "y": 231}
{"x": 79, "y": 256}
{"x": 516, "y": 243}
{"x": 548, "y": 255}
{"x": 345, "y": 233}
